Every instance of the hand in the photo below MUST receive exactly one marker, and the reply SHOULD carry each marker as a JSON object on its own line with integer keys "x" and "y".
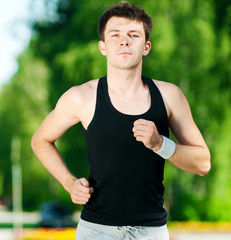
{"x": 80, "y": 191}
{"x": 146, "y": 132}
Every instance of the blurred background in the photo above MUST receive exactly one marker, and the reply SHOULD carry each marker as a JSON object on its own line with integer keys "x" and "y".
{"x": 53, "y": 47}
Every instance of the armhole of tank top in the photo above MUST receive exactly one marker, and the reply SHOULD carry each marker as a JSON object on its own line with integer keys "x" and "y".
{"x": 96, "y": 105}
{"x": 156, "y": 89}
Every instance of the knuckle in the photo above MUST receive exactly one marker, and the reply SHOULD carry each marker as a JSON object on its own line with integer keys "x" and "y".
{"x": 82, "y": 180}
{"x": 75, "y": 201}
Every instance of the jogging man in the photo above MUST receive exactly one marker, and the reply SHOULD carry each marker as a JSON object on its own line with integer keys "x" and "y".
{"x": 126, "y": 118}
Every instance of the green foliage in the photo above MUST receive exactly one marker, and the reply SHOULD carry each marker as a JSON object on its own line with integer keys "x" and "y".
{"x": 221, "y": 182}
{"x": 24, "y": 104}
{"x": 191, "y": 47}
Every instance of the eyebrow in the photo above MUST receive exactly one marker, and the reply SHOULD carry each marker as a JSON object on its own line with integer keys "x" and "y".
{"x": 130, "y": 31}
{"x": 113, "y": 30}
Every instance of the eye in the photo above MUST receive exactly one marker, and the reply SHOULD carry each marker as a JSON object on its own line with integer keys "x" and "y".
{"x": 134, "y": 35}
{"x": 115, "y": 35}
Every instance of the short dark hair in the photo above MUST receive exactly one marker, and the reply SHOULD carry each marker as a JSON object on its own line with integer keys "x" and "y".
{"x": 125, "y": 10}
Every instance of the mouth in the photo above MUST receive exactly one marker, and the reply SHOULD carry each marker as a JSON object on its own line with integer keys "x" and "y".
{"x": 125, "y": 53}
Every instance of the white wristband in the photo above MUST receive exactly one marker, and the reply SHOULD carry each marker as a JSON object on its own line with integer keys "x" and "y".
{"x": 167, "y": 149}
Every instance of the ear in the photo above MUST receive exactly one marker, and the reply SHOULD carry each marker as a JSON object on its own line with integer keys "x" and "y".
{"x": 147, "y": 48}
{"x": 102, "y": 48}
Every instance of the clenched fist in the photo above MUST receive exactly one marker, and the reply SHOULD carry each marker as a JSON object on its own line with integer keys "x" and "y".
{"x": 80, "y": 191}
{"x": 146, "y": 132}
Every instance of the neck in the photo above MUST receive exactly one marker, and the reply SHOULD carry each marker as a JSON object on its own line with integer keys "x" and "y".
{"x": 124, "y": 81}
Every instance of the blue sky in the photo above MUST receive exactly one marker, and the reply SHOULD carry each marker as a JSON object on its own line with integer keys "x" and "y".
{"x": 15, "y": 32}
{"x": 14, "y": 35}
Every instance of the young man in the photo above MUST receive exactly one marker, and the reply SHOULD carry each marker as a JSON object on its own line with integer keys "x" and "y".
{"x": 126, "y": 118}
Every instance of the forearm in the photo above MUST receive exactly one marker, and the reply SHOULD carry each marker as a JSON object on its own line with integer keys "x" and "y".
{"x": 51, "y": 159}
{"x": 193, "y": 159}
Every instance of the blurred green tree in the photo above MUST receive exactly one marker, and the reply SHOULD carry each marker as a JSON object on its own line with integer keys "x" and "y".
{"x": 191, "y": 47}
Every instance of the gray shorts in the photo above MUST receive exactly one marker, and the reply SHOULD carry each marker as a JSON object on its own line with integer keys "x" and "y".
{"x": 93, "y": 231}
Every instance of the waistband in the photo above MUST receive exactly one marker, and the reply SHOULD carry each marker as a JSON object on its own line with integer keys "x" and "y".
{"x": 127, "y": 232}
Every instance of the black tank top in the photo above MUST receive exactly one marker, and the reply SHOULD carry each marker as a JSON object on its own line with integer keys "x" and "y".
{"x": 126, "y": 176}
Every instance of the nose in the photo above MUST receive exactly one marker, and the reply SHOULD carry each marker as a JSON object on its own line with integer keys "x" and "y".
{"x": 125, "y": 42}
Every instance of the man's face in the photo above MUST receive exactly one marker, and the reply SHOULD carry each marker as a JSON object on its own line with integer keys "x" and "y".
{"x": 124, "y": 43}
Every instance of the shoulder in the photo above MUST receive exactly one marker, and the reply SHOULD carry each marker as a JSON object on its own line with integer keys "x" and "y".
{"x": 79, "y": 94}
{"x": 76, "y": 99}
{"x": 172, "y": 95}
{"x": 167, "y": 87}
{"x": 82, "y": 90}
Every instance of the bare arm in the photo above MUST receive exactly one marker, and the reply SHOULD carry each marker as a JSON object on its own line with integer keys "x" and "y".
{"x": 43, "y": 144}
{"x": 192, "y": 154}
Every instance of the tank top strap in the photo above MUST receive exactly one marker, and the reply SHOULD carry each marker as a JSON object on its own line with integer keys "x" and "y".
{"x": 99, "y": 97}
{"x": 154, "y": 91}
{"x": 156, "y": 98}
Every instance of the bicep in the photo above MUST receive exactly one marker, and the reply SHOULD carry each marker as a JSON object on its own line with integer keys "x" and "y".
{"x": 181, "y": 122}
{"x": 59, "y": 120}
{"x": 53, "y": 127}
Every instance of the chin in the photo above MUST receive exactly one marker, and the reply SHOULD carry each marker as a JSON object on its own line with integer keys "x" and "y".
{"x": 124, "y": 65}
